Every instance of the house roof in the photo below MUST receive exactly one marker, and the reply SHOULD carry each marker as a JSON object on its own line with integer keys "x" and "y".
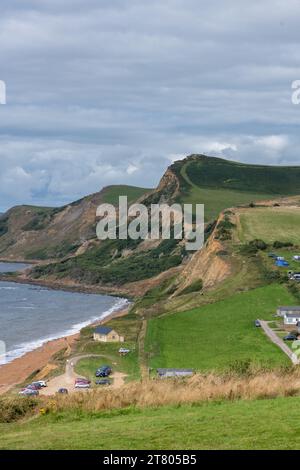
{"x": 293, "y": 315}
{"x": 165, "y": 371}
{"x": 103, "y": 330}
{"x": 291, "y": 308}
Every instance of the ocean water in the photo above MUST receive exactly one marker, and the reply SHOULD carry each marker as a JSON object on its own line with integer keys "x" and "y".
{"x": 32, "y": 315}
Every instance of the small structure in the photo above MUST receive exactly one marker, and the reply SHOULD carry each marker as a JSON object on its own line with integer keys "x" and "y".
{"x": 107, "y": 335}
{"x": 282, "y": 311}
{"x": 171, "y": 373}
{"x": 291, "y": 319}
{"x": 281, "y": 263}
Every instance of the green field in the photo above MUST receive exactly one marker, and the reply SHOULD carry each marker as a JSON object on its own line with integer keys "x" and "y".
{"x": 217, "y": 335}
{"x": 270, "y": 224}
{"x": 111, "y": 193}
{"x": 216, "y": 200}
{"x": 257, "y": 424}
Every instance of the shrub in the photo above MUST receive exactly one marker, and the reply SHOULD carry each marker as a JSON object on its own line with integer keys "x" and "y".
{"x": 248, "y": 250}
{"x": 279, "y": 244}
{"x": 259, "y": 244}
{"x": 12, "y": 409}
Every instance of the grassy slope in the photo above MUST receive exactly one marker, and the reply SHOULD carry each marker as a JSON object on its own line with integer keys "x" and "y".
{"x": 111, "y": 193}
{"x": 219, "y": 184}
{"x": 259, "y": 424}
{"x": 270, "y": 224}
{"x": 216, "y": 335}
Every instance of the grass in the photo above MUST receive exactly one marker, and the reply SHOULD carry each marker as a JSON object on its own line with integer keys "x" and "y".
{"x": 259, "y": 424}
{"x": 270, "y": 224}
{"x": 127, "y": 364}
{"x": 111, "y": 193}
{"x": 216, "y": 336}
{"x": 216, "y": 200}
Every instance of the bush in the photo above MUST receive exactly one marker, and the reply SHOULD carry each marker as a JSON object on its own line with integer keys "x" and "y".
{"x": 248, "y": 250}
{"x": 12, "y": 409}
{"x": 259, "y": 244}
{"x": 278, "y": 244}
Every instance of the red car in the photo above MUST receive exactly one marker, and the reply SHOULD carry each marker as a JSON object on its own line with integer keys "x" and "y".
{"x": 82, "y": 381}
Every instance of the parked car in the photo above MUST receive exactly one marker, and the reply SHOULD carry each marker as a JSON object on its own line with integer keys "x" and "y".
{"x": 272, "y": 255}
{"x": 257, "y": 323}
{"x": 29, "y": 393}
{"x": 290, "y": 337}
{"x": 104, "y": 371}
{"x": 103, "y": 382}
{"x": 37, "y": 385}
{"x": 82, "y": 385}
{"x": 63, "y": 391}
{"x": 42, "y": 383}
{"x": 80, "y": 380}
{"x": 124, "y": 351}
{"x": 31, "y": 387}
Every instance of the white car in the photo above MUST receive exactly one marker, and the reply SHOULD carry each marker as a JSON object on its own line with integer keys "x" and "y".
{"x": 82, "y": 385}
{"x": 42, "y": 383}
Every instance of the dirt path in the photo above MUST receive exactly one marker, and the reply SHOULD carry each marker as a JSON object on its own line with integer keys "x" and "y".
{"x": 67, "y": 380}
{"x": 279, "y": 342}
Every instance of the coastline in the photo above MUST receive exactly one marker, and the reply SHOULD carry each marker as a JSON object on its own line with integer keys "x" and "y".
{"x": 67, "y": 286}
{"x": 37, "y": 360}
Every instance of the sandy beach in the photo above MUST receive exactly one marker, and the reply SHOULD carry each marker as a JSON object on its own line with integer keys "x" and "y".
{"x": 18, "y": 370}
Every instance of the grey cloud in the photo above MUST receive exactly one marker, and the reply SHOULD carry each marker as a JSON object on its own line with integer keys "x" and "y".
{"x": 105, "y": 92}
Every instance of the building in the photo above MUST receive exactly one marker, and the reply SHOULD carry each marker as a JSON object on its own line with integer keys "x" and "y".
{"x": 168, "y": 373}
{"x": 107, "y": 335}
{"x": 282, "y": 311}
{"x": 291, "y": 319}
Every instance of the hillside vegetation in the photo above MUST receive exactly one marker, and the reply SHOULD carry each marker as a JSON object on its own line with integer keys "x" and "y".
{"x": 214, "y": 425}
{"x": 218, "y": 335}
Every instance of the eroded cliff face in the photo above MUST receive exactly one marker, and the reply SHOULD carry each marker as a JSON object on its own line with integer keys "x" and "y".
{"x": 47, "y": 233}
{"x": 206, "y": 264}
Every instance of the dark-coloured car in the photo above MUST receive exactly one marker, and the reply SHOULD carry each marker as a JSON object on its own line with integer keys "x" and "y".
{"x": 290, "y": 337}
{"x": 63, "y": 391}
{"x": 257, "y": 324}
{"x": 103, "y": 382}
{"x": 272, "y": 255}
{"x": 104, "y": 371}
{"x": 37, "y": 385}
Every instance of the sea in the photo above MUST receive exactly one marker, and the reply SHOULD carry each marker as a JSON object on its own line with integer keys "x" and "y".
{"x": 31, "y": 315}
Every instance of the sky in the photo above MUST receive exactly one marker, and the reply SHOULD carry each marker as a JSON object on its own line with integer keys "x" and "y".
{"x": 104, "y": 92}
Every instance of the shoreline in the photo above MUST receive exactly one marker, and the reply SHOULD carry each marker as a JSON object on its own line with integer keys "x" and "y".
{"x": 66, "y": 286}
{"x": 37, "y": 360}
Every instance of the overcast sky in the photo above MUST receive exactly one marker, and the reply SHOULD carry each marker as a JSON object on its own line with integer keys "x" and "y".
{"x": 111, "y": 91}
